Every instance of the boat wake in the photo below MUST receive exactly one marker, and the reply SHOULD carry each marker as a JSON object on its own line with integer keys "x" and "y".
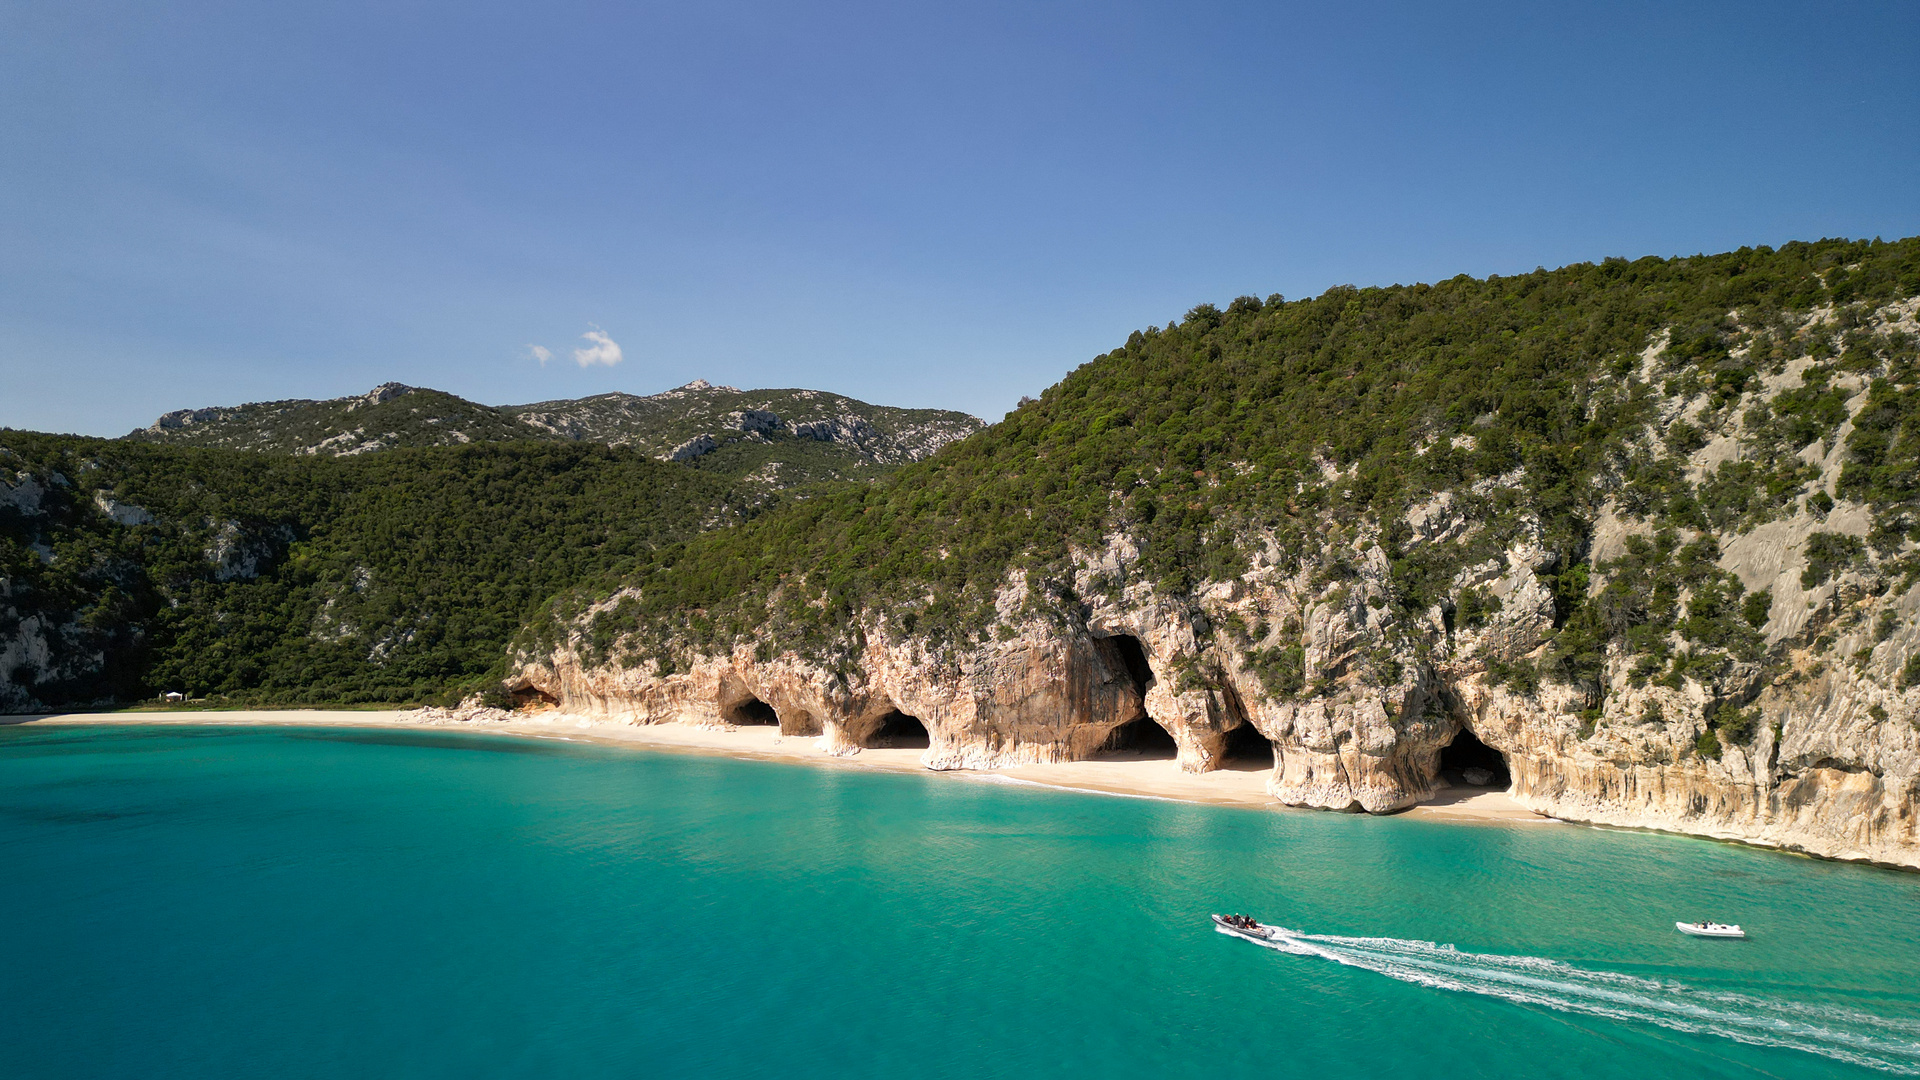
{"x": 1842, "y": 1034}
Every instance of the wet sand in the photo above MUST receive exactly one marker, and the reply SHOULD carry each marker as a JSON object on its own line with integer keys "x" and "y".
{"x": 1115, "y": 774}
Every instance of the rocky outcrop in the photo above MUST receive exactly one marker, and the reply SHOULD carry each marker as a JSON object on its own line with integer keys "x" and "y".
{"x": 1044, "y": 699}
{"x": 471, "y": 710}
{"x": 693, "y": 448}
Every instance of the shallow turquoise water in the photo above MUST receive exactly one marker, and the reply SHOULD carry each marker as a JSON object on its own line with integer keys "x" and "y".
{"x": 269, "y": 902}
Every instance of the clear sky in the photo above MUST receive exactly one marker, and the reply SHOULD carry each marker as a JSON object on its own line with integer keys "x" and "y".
{"x": 932, "y": 205}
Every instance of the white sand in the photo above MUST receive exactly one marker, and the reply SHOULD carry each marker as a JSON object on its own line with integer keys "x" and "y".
{"x": 1118, "y": 774}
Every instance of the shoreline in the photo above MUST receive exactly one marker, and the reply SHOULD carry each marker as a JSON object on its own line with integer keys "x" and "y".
{"x": 1118, "y": 775}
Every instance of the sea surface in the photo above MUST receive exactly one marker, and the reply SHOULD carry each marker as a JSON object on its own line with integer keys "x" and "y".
{"x": 267, "y": 902}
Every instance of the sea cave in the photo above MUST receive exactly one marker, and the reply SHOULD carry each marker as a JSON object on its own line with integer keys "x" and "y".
{"x": 751, "y": 712}
{"x": 899, "y": 731}
{"x": 1466, "y": 757}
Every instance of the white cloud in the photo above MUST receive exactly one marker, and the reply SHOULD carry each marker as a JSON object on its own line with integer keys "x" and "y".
{"x": 540, "y": 353}
{"x": 604, "y": 350}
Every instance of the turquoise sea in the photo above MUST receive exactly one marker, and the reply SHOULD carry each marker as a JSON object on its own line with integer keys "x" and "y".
{"x": 215, "y": 902}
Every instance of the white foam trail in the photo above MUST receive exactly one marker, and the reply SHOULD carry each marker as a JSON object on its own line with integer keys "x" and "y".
{"x": 1842, "y": 1034}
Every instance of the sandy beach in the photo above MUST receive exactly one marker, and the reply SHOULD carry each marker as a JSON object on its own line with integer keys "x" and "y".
{"x": 1120, "y": 774}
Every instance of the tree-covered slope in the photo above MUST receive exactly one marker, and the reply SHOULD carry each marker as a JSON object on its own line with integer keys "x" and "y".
{"x": 129, "y": 569}
{"x": 1530, "y": 394}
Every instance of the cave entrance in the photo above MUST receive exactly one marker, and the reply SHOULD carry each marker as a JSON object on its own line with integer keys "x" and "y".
{"x": 1133, "y": 656}
{"x": 751, "y": 712}
{"x": 1247, "y": 750}
{"x": 1140, "y": 738}
{"x": 1468, "y": 762}
{"x": 529, "y": 696}
{"x": 899, "y": 731}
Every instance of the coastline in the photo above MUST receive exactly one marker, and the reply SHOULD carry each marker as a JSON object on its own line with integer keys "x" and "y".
{"x": 1118, "y": 775}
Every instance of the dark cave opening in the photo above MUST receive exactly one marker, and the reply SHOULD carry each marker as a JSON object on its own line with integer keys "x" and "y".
{"x": 751, "y": 713}
{"x": 528, "y": 695}
{"x": 1141, "y": 738}
{"x": 1246, "y": 748}
{"x": 1134, "y": 656}
{"x": 899, "y": 731}
{"x": 1464, "y": 759}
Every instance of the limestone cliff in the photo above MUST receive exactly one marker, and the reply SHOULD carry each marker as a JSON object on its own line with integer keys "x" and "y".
{"x": 1722, "y": 643}
{"x": 1825, "y": 773}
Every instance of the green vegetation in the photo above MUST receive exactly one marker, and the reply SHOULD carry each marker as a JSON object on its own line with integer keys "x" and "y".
{"x": 1640, "y": 607}
{"x": 1884, "y": 468}
{"x": 1828, "y": 553}
{"x": 1910, "y": 674}
{"x": 384, "y": 577}
{"x": 1707, "y": 745}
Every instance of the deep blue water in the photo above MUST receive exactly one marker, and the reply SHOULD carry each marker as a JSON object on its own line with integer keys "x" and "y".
{"x": 213, "y": 902}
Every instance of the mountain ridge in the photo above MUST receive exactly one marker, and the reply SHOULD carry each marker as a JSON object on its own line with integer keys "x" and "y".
{"x": 819, "y": 435}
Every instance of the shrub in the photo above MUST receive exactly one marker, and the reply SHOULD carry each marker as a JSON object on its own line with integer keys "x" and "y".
{"x": 1282, "y": 670}
{"x": 1707, "y": 745}
{"x": 1521, "y": 677}
{"x": 1827, "y": 554}
{"x": 1684, "y": 438}
{"x": 1735, "y": 725}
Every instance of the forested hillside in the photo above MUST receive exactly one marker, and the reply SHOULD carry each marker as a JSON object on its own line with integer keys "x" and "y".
{"x": 1531, "y": 395}
{"x": 127, "y": 570}
{"x": 381, "y": 547}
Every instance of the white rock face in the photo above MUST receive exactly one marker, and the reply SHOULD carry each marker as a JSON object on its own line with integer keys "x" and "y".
{"x": 22, "y": 494}
{"x": 122, "y": 513}
{"x": 693, "y": 448}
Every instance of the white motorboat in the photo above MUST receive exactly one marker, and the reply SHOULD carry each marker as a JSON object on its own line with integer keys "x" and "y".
{"x": 1243, "y": 926}
{"x": 1710, "y": 929}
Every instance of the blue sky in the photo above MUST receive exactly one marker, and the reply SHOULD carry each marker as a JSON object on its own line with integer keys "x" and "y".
{"x": 930, "y": 205}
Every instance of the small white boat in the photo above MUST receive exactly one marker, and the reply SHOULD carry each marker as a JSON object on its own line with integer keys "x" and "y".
{"x": 1243, "y": 926}
{"x": 1710, "y": 929}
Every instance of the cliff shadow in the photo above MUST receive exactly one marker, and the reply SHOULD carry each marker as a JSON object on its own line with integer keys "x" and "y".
{"x": 898, "y": 731}
{"x": 1132, "y": 657}
{"x": 1244, "y": 749}
{"x": 1467, "y": 764}
{"x": 1139, "y": 739}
